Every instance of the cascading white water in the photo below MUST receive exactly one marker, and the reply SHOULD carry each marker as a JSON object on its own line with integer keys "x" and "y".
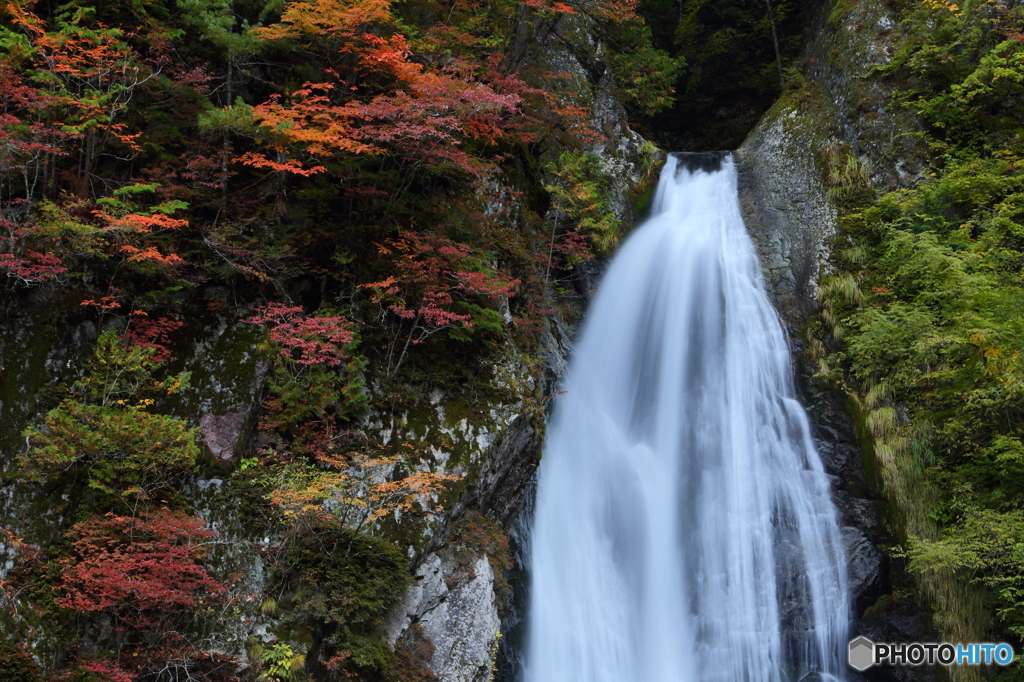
{"x": 683, "y": 527}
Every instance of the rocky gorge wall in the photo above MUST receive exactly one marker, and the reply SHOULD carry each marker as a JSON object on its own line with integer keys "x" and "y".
{"x": 794, "y": 167}
{"x": 834, "y": 122}
{"x": 784, "y": 192}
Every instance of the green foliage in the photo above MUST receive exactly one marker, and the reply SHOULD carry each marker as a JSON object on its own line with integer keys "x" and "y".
{"x": 217, "y": 22}
{"x": 846, "y": 176}
{"x": 582, "y": 191}
{"x": 119, "y": 205}
{"x": 278, "y": 662}
{"x": 237, "y": 118}
{"x": 125, "y": 452}
{"x": 123, "y": 375}
{"x": 128, "y": 453}
{"x": 929, "y": 316}
{"x": 344, "y": 584}
{"x": 645, "y": 75}
{"x": 732, "y": 51}
{"x": 317, "y": 374}
{"x": 964, "y": 69}
{"x": 68, "y": 235}
{"x": 932, "y": 344}
{"x": 990, "y": 546}
{"x": 708, "y": 30}
{"x": 17, "y": 664}
{"x": 311, "y": 392}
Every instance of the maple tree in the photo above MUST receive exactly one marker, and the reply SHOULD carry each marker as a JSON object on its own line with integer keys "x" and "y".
{"x": 317, "y": 375}
{"x": 307, "y": 340}
{"x": 355, "y": 488}
{"x": 374, "y": 99}
{"x": 87, "y": 74}
{"x": 23, "y": 264}
{"x": 130, "y": 225}
{"x": 427, "y": 120}
{"x": 137, "y": 566}
{"x": 119, "y": 229}
{"x": 144, "y": 574}
{"x": 439, "y": 285}
{"x": 153, "y": 334}
{"x": 29, "y": 143}
{"x": 571, "y": 248}
{"x": 31, "y": 139}
{"x": 64, "y": 92}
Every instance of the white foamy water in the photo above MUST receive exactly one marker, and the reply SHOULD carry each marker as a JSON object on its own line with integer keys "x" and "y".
{"x": 683, "y": 527}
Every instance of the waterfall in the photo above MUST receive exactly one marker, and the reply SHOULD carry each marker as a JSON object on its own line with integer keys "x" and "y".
{"x": 683, "y": 529}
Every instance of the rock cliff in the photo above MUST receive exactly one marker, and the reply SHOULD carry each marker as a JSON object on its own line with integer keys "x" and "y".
{"x": 788, "y": 190}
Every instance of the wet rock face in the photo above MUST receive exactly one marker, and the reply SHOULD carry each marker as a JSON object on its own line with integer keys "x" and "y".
{"x": 587, "y": 275}
{"x": 454, "y": 604}
{"x": 787, "y": 213}
{"x": 865, "y": 572}
{"x": 506, "y": 474}
{"x": 858, "y": 504}
{"x": 864, "y": 565}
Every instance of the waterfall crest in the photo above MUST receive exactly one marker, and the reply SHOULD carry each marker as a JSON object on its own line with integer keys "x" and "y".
{"x": 683, "y": 527}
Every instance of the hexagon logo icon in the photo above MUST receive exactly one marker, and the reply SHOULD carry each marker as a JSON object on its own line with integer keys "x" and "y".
{"x": 862, "y": 654}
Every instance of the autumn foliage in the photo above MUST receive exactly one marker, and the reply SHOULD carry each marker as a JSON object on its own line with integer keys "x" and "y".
{"x": 63, "y": 95}
{"x": 351, "y": 187}
{"x": 138, "y": 568}
{"x": 306, "y": 340}
{"x": 355, "y": 489}
{"x": 375, "y": 99}
{"x": 317, "y": 377}
{"x": 144, "y": 575}
{"x": 322, "y": 474}
{"x": 438, "y": 285}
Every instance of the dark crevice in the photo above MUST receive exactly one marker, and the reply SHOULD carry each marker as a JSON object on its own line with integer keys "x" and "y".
{"x": 733, "y": 63}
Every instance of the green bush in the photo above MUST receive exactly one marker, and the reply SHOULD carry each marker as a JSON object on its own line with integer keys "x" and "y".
{"x": 932, "y": 342}
{"x": 344, "y": 584}
{"x": 107, "y": 434}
